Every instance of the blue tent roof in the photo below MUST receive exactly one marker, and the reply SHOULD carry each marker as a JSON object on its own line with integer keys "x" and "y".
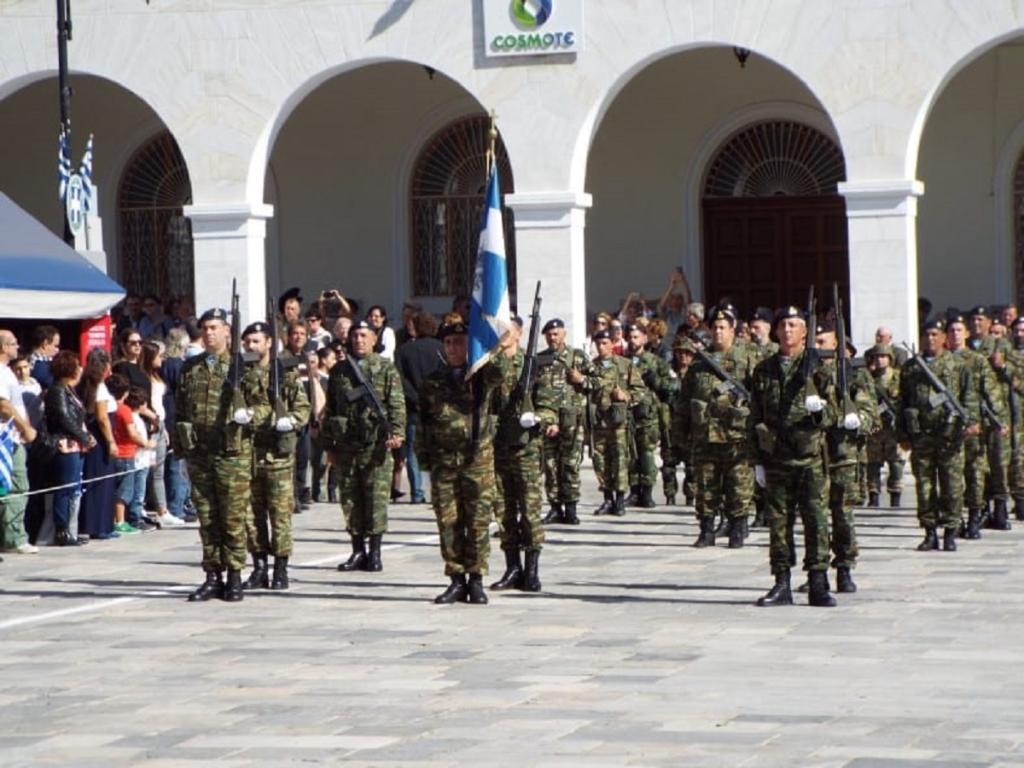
{"x": 43, "y": 277}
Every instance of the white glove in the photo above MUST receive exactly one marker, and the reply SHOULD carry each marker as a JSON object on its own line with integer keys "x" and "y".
{"x": 242, "y": 416}
{"x": 528, "y": 420}
{"x": 814, "y": 404}
{"x": 759, "y": 476}
{"x": 284, "y": 424}
{"x": 851, "y": 421}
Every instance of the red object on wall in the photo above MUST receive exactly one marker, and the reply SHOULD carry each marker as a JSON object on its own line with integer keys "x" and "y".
{"x": 95, "y": 333}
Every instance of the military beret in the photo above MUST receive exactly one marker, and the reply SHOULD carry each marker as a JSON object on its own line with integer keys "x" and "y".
{"x": 213, "y": 314}
{"x": 980, "y": 310}
{"x": 630, "y": 327}
{"x": 825, "y": 325}
{"x": 291, "y": 293}
{"x": 785, "y": 313}
{"x": 1017, "y": 321}
{"x": 598, "y": 335}
{"x": 451, "y": 329}
{"x": 258, "y": 327}
{"x": 725, "y": 312}
{"x": 763, "y": 314}
{"x": 996, "y": 320}
{"x": 555, "y": 322}
{"x": 362, "y": 324}
{"x": 936, "y": 323}
{"x": 683, "y": 343}
{"x": 879, "y": 350}
{"x": 954, "y": 315}
{"x": 519, "y": 321}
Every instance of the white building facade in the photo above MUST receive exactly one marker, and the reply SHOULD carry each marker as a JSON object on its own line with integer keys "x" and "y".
{"x": 326, "y": 143}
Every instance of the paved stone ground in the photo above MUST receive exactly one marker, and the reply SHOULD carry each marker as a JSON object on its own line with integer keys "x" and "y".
{"x": 642, "y": 651}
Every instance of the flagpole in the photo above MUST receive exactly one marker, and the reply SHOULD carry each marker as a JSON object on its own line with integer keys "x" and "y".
{"x": 63, "y": 35}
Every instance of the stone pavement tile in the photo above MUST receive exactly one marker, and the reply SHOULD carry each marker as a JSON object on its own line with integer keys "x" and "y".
{"x": 872, "y": 762}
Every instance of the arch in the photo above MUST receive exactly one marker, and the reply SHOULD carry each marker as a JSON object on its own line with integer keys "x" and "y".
{"x": 1008, "y": 270}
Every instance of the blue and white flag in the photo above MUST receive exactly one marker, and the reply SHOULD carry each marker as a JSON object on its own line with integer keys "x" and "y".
{"x": 6, "y": 457}
{"x": 85, "y": 171}
{"x": 489, "y": 313}
{"x": 63, "y": 164}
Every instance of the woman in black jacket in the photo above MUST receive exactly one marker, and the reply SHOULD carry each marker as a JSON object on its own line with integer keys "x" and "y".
{"x": 65, "y": 422}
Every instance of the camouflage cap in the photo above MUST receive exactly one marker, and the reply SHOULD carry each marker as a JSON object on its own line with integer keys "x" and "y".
{"x": 684, "y": 344}
{"x": 213, "y": 314}
{"x": 879, "y": 350}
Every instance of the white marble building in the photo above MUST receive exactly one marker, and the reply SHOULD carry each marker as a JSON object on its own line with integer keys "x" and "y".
{"x": 307, "y": 129}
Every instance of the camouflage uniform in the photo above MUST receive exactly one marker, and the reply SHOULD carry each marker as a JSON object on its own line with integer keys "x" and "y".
{"x": 1013, "y": 377}
{"x": 883, "y": 446}
{"x": 936, "y": 438}
{"x": 273, "y": 487}
{"x": 975, "y": 459}
{"x": 999, "y": 446}
{"x": 646, "y": 418}
{"x": 461, "y": 471}
{"x": 218, "y": 452}
{"x": 354, "y": 430}
{"x": 717, "y": 425}
{"x": 611, "y": 449}
{"x": 553, "y": 393}
{"x": 680, "y": 450}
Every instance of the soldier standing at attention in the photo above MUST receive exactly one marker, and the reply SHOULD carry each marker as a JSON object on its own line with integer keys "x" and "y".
{"x": 364, "y": 421}
{"x": 761, "y": 333}
{"x": 563, "y": 378}
{"x": 273, "y": 491}
{"x": 980, "y": 322}
{"x": 213, "y": 433}
{"x": 656, "y": 376}
{"x": 683, "y": 352}
{"x": 1015, "y": 393}
{"x": 716, "y": 422}
{"x": 936, "y": 433}
{"x": 883, "y": 443}
{"x": 616, "y": 385}
{"x": 458, "y": 431}
{"x": 517, "y": 462}
{"x": 793, "y": 404}
{"x": 998, "y": 441}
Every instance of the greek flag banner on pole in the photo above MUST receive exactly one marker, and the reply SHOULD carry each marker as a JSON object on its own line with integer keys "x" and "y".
{"x": 489, "y": 313}
{"x": 63, "y": 164}
{"x": 6, "y": 457}
{"x": 85, "y": 171}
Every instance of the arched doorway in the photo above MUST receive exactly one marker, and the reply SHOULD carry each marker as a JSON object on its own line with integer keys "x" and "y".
{"x": 773, "y": 220}
{"x": 155, "y": 238}
{"x": 446, "y": 204}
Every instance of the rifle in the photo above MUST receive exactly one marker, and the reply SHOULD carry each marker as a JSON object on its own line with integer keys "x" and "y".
{"x": 588, "y": 423}
{"x": 737, "y": 391}
{"x": 237, "y": 357}
{"x": 286, "y": 441}
{"x": 842, "y": 371}
{"x": 811, "y": 358}
{"x": 944, "y": 396}
{"x": 522, "y": 395}
{"x": 365, "y": 389}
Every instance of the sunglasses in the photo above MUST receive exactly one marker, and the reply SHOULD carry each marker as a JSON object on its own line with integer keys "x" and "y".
{"x": 134, "y": 341}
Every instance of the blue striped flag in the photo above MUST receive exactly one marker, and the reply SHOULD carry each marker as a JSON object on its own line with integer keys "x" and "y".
{"x": 489, "y": 313}
{"x": 63, "y": 163}
{"x": 6, "y": 457}
{"x": 85, "y": 171}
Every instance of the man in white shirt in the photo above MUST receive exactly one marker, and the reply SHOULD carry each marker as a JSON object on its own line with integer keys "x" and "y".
{"x": 13, "y": 417}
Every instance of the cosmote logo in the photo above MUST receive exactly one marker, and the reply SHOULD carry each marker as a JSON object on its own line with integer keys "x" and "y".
{"x": 531, "y": 14}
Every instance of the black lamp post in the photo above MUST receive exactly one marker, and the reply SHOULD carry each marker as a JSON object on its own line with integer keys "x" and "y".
{"x": 63, "y": 35}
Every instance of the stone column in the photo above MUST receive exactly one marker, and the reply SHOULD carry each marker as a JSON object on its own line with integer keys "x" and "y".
{"x": 882, "y": 221}
{"x": 549, "y": 248}
{"x": 228, "y": 244}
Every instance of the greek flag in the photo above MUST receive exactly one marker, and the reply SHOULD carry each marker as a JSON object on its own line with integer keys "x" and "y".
{"x": 85, "y": 171}
{"x": 63, "y": 164}
{"x": 489, "y": 313}
{"x": 6, "y": 457}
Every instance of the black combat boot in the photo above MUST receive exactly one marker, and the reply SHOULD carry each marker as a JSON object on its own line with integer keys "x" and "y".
{"x": 513, "y": 571}
{"x": 948, "y": 540}
{"x": 780, "y": 594}
{"x": 973, "y": 524}
{"x": 620, "y": 504}
{"x": 873, "y": 499}
{"x": 819, "y": 595}
{"x": 531, "y": 577}
{"x": 760, "y": 514}
{"x": 1001, "y": 516}
{"x": 670, "y": 499}
{"x": 931, "y": 540}
{"x": 280, "y": 580}
{"x": 894, "y": 498}
{"x": 724, "y": 526}
{"x": 554, "y": 514}
{"x": 688, "y": 499}
{"x": 608, "y": 505}
{"x": 456, "y": 591}
{"x": 1018, "y": 507}
{"x": 570, "y": 517}
{"x": 212, "y": 587}
{"x": 647, "y": 497}
{"x": 475, "y": 590}
{"x": 259, "y": 578}
{"x": 986, "y": 516}
{"x": 737, "y": 533}
{"x": 233, "y": 587}
{"x": 633, "y": 500}
{"x": 373, "y": 561}
{"x": 706, "y": 537}
{"x": 357, "y": 560}
{"x": 844, "y": 580}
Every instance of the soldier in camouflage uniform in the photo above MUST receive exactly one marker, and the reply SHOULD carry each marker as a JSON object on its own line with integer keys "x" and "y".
{"x": 680, "y": 452}
{"x": 856, "y": 417}
{"x": 458, "y": 431}
{"x": 517, "y": 463}
{"x": 936, "y": 433}
{"x": 975, "y": 458}
{"x": 979, "y": 324}
{"x": 998, "y": 435}
{"x": 616, "y": 387}
{"x": 212, "y": 432}
{"x": 657, "y": 378}
{"x": 1015, "y": 373}
{"x": 763, "y": 347}
{"x": 273, "y": 489}
{"x": 793, "y": 405}
{"x": 883, "y": 443}
{"x": 563, "y": 378}
{"x": 361, "y": 441}
{"x": 716, "y": 424}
